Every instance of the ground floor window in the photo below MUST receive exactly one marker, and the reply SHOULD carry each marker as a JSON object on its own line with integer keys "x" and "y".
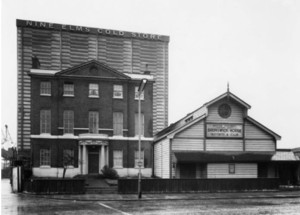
{"x": 45, "y": 157}
{"x": 136, "y": 159}
{"x": 118, "y": 158}
{"x": 68, "y": 157}
{"x": 231, "y": 168}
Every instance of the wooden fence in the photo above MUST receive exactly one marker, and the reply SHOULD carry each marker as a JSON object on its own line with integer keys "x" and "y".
{"x": 55, "y": 186}
{"x": 126, "y": 186}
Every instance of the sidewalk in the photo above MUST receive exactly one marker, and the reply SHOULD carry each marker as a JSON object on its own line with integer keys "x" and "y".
{"x": 178, "y": 196}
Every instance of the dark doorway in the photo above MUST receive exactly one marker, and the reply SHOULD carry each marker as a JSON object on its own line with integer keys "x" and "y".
{"x": 188, "y": 170}
{"x": 93, "y": 160}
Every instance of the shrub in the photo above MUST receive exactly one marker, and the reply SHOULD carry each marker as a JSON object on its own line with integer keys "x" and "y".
{"x": 109, "y": 173}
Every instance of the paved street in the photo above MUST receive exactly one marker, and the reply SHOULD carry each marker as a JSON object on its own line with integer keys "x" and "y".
{"x": 32, "y": 204}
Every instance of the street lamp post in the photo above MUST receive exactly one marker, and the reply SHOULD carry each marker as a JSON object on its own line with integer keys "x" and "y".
{"x": 140, "y": 90}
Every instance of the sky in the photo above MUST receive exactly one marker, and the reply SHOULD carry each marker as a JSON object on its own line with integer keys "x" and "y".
{"x": 253, "y": 45}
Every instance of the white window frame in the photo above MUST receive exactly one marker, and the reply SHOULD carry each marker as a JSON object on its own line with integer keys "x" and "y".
{"x": 118, "y": 158}
{"x": 45, "y": 88}
{"x": 93, "y": 122}
{"x": 93, "y": 90}
{"x": 68, "y": 152}
{"x": 231, "y": 168}
{"x": 118, "y": 123}
{"x": 69, "y": 89}
{"x": 136, "y": 124}
{"x": 118, "y": 92}
{"x": 45, "y": 121}
{"x": 68, "y": 121}
{"x": 45, "y": 157}
{"x": 136, "y": 159}
{"x": 136, "y": 94}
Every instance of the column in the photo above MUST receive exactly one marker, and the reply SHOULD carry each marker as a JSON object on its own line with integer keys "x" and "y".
{"x": 106, "y": 156}
{"x": 100, "y": 149}
{"x": 79, "y": 159}
{"x": 84, "y": 160}
{"x": 102, "y": 156}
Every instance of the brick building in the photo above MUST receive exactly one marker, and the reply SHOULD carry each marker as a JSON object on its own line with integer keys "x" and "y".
{"x": 76, "y": 97}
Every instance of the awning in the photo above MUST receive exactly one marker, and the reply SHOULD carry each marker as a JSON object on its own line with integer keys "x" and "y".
{"x": 213, "y": 157}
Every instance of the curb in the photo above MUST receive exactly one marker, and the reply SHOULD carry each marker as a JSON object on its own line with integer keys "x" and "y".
{"x": 168, "y": 199}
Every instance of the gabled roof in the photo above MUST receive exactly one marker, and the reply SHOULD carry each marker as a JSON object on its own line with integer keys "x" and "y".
{"x": 94, "y": 68}
{"x": 228, "y": 95}
{"x": 276, "y": 136}
{"x": 202, "y": 112}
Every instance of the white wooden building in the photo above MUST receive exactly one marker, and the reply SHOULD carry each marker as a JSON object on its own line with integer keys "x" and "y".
{"x": 218, "y": 140}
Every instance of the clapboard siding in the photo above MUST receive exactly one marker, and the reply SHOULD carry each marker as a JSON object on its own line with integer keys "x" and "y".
{"x": 221, "y": 170}
{"x": 187, "y": 145}
{"x": 237, "y": 113}
{"x": 58, "y": 50}
{"x": 260, "y": 145}
{"x": 158, "y": 159}
{"x": 162, "y": 159}
{"x": 252, "y": 131}
{"x": 194, "y": 131}
{"x": 224, "y": 145}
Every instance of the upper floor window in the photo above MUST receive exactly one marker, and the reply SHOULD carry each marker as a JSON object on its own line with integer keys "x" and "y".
{"x": 45, "y": 88}
{"x": 68, "y": 89}
{"x": 118, "y": 123}
{"x": 137, "y": 124}
{"x": 93, "y": 122}
{"x": 118, "y": 91}
{"x": 94, "y": 90}
{"x": 118, "y": 158}
{"x": 45, "y": 121}
{"x": 68, "y": 122}
{"x": 136, "y": 94}
{"x": 45, "y": 157}
{"x": 136, "y": 159}
{"x": 68, "y": 157}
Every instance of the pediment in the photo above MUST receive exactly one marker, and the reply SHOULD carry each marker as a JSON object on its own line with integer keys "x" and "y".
{"x": 93, "y": 69}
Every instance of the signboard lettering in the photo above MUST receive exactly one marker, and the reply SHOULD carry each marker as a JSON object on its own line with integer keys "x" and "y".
{"x": 224, "y": 130}
{"x": 82, "y": 29}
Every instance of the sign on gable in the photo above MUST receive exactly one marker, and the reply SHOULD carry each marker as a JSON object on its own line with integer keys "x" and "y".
{"x": 224, "y": 130}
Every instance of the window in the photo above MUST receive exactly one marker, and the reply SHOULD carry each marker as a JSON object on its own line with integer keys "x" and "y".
{"x": 189, "y": 119}
{"x": 136, "y": 159}
{"x": 231, "y": 168}
{"x": 94, "y": 90}
{"x": 68, "y": 157}
{"x": 136, "y": 94}
{"x": 68, "y": 89}
{"x": 118, "y": 158}
{"x": 137, "y": 124}
{"x": 118, "y": 123}
{"x": 93, "y": 122}
{"x": 45, "y": 121}
{"x": 45, "y": 157}
{"x": 118, "y": 91}
{"x": 45, "y": 88}
{"x": 68, "y": 122}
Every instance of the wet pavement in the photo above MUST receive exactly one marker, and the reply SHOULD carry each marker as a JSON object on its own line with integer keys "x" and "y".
{"x": 198, "y": 203}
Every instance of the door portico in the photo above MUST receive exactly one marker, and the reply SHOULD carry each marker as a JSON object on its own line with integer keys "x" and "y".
{"x": 93, "y": 153}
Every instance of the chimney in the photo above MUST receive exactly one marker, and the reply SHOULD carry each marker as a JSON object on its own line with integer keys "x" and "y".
{"x": 147, "y": 72}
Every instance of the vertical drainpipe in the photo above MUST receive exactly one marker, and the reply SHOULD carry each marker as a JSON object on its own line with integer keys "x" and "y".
{"x": 57, "y": 100}
{"x": 170, "y": 154}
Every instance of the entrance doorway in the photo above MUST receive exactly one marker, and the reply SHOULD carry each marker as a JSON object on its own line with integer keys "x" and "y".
{"x": 93, "y": 160}
{"x": 188, "y": 170}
